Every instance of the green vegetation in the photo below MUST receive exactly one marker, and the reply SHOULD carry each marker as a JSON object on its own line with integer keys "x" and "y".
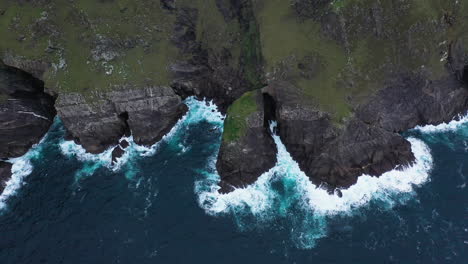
{"x": 134, "y": 37}
{"x": 237, "y": 114}
{"x": 215, "y": 33}
{"x": 239, "y": 35}
{"x": 286, "y": 41}
{"x": 251, "y": 49}
{"x": 362, "y": 50}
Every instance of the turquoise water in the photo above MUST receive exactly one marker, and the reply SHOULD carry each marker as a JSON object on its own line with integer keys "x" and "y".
{"x": 159, "y": 205}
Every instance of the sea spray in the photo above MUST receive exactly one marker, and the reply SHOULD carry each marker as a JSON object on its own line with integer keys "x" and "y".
{"x": 450, "y": 134}
{"x": 444, "y": 127}
{"x": 286, "y": 192}
{"x": 198, "y": 111}
{"x": 21, "y": 168}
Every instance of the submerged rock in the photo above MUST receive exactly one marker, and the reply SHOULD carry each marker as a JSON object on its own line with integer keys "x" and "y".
{"x": 119, "y": 151}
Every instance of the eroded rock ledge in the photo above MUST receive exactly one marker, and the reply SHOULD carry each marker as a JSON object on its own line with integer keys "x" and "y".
{"x": 147, "y": 114}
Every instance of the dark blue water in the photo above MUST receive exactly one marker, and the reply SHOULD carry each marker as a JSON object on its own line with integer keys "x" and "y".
{"x": 150, "y": 211}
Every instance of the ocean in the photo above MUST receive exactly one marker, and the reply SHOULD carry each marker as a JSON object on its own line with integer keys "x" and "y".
{"x": 159, "y": 204}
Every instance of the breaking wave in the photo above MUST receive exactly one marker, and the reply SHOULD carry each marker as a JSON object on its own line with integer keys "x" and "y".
{"x": 285, "y": 192}
{"x": 198, "y": 111}
{"x": 21, "y": 168}
{"x": 444, "y": 127}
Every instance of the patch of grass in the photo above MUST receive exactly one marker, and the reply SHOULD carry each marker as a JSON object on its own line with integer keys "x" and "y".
{"x": 237, "y": 114}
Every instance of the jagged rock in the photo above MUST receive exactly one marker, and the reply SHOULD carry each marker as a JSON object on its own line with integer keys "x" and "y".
{"x": 117, "y": 153}
{"x": 410, "y": 100}
{"x": 303, "y": 128}
{"x": 251, "y": 151}
{"x": 148, "y": 113}
{"x": 5, "y": 174}
{"x": 124, "y": 144}
{"x": 26, "y": 112}
{"x": 359, "y": 149}
{"x": 119, "y": 150}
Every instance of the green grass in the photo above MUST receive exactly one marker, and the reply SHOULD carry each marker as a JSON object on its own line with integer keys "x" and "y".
{"x": 349, "y": 75}
{"x": 213, "y": 31}
{"x": 287, "y": 40}
{"x": 78, "y": 24}
{"x": 237, "y": 114}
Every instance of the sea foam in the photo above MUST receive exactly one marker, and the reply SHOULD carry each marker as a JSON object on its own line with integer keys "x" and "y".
{"x": 453, "y": 125}
{"x": 303, "y": 203}
{"x": 198, "y": 111}
{"x": 258, "y": 196}
{"x": 21, "y": 168}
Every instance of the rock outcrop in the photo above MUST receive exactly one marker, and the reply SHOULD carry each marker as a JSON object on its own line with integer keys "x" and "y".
{"x": 148, "y": 114}
{"x": 26, "y": 112}
{"x": 248, "y": 149}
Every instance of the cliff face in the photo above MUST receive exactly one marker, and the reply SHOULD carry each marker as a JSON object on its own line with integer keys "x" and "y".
{"x": 347, "y": 76}
{"x": 147, "y": 114}
{"x": 341, "y": 77}
{"x": 26, "y": 112}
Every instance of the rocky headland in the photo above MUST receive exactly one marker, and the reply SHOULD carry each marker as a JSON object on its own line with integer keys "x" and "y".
{"x": 342, "y": 78}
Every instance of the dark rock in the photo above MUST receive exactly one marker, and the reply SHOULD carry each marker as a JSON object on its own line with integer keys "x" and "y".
{"x": 124, "y": 144}
{"x": 330, "y": 155}
{"x": 303, "y": 129}
{"x": 241, "y": 161}
{"x": 26, "y": 112}
{"x": 5, "y": 174}
{"x": 168, "y": 4}
{"x": 117, "y": 153}
{"x": 409, "y": 100}
{"x": 360, "y": 149}
{"x": 119, "y": 150}
{"x": 209, "y": 73}
{"x": 148, "y": 113}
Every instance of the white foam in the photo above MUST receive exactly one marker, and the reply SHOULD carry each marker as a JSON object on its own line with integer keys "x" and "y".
{"x": 259, "y": 196}
{"x": 203, "y": 111}
{"x": 21, "y": 168}
{"x": 198, "y": 111}
{"x": 444, "y": 127}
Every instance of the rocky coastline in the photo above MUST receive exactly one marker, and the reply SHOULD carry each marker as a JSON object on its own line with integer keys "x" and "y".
{"x": 342, "y": 81}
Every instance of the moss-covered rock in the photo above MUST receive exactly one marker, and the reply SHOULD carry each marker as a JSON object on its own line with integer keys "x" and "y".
{"x": 246, "y": 138}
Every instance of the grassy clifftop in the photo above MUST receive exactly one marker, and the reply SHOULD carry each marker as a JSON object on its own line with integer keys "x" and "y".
{"x": 90, "y": 45}
{"x": 236, "y": 121}
{"x": 339, "y": 53}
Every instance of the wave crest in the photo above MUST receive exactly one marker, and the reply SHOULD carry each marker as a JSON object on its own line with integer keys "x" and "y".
{"x": 285, "y": 189}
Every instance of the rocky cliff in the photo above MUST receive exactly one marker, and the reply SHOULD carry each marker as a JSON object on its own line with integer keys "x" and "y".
{"x": 26, "y": 112}
{"x": 346, "y": 77}
{"x": 342, "y": 78}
